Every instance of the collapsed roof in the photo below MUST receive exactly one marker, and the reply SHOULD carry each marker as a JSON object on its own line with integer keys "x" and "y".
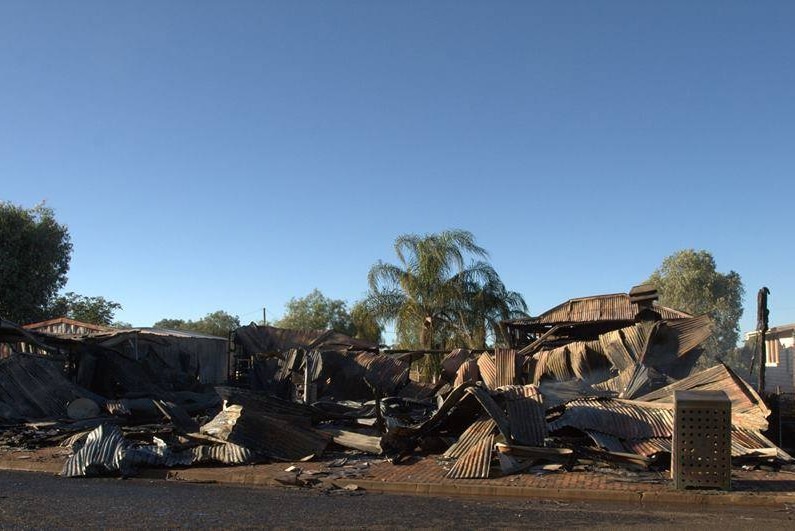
{"x": 587, "y": 317}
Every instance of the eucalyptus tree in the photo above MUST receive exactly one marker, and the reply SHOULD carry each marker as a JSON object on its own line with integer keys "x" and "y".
{"x": 688, "y": 280}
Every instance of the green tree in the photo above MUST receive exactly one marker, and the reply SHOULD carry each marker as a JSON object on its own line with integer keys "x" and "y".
{"x": 739, "y": 359}
{"x": 485, "y": 306}
{"x": 365, "y": 324}
{"x": 218, "y": 323}
{"x": 434, "y": 295}
{"x": 34, "y": 259}
{"x": 96, "y": 310}
{"x": 174, "y": 324}
{"x": 317, "y": 312}
{"x": 688, "y": 280}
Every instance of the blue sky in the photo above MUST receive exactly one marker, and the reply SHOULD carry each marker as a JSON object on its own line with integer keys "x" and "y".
{"x": 232, "y": 155}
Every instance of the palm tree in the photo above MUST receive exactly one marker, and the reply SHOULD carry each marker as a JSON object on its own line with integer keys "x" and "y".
{"x": 485, "y": 306}
{"x": 433, "y": 295}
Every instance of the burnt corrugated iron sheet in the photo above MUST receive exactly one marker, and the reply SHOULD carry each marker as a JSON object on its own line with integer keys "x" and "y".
{"x": 268, "y": 436}
{"x": 578, "y": 358}
{"x": 451, "y": 403}
{"x": 418, "y": 390}
{"x": 296, "y": 412}
{"x": 453, "y": 361}
{"x": 256, "y": 339}
{"x": 636, "y": 338}
{"x": 385, "y": 374}
{"x": 691, "y": 332}
{"x": 617, "y": 383}
{"x": 552, "y": 364}
{"x": 622, "y": 418}
{"x": 640, "y": 381}
{"x": 102, "y": 453}
{"x": 467, "y": 372}
{"x": 313, "y": 362}
{"x": 557, "y": 393}
{"x": 476, "y": 463}
{"x": 748, "y": 409}
{"x": 613, "y": 307}
{"x": 749, "y": 442}
{"x": 364, "y": 442}
{"x": 228, "y": 454}
{"x": 616, "y": 350}
{"x": 471, "y": 437}
{"x": 488, "y": 370}
{"x": 629, "y": 382}
{"x": 606, "y": 442}
{"x": 648, "y": 447}
{"x": 526, "y": 414}
{"x": 33, "y": 387}
{"x": 493, "y": 410}
{"x": 505, "y": 361}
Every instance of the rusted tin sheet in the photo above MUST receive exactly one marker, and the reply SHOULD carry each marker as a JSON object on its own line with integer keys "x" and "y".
{"x": 748, "y": 409}
{"x": 451, "y": 403}
{"x": 493, "y": 410}
{"x": 648, "y": 447}
{"x": 33, "y": 387}
{"x": 505, "y": 361}
{"x": 557, "y": 393}
{"x": 629, "y": 383}
{"x": 275, "y": 407}
{"x": 691, "y": 332}
{"x": 488, "y": 370}
{"x": 635, "y": 338}
{"x": 560, "y": 455}
{"x": 418, "y": 390}
{"x": 268, "y": 436}
{"x": 453, "y": 361}
{"x": 752, "y": 442}
{"x": 614, "y": 348}
{"x": 382, "y": 372}
{"x": 467, "y": 372}
{"x": 579, "y": 360}
{"x": 612, "y": 307}
{"x": 622, "y": 418}
{"x": 553, "y": 363}
{"x": 525, "y": 414}
{"x": 471, "y": 437}
{"x": 606, "y": 442}
{"x": 476, "y": 463}
{"x": 257, "y": 339}
{"x": 617, "y": 383}
{"x": 350, "y": 439}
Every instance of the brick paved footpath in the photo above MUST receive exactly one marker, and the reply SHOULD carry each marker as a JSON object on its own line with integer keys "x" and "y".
{"x": 426, "y": 476}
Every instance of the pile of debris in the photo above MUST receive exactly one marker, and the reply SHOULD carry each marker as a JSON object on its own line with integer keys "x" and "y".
{"x": 590, "y": 383}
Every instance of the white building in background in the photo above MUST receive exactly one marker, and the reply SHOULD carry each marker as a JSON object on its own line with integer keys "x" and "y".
{"x": 779, "y": 365}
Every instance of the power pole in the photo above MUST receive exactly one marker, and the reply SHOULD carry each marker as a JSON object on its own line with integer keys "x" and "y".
{"x": 264, "y": 317}
{"x": 762, "y": 314}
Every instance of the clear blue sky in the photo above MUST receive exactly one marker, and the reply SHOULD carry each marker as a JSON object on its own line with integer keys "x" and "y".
{"x": 232, "y": 155}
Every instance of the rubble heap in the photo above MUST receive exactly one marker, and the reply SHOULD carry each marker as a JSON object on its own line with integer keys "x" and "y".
{"x": 570, "y": 393}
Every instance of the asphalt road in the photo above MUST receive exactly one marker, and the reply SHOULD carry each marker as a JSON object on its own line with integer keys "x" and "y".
{"x": 43, "y": 501}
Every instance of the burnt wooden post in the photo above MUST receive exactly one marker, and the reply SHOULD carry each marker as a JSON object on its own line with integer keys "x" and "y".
{"x": 762, "y": 314}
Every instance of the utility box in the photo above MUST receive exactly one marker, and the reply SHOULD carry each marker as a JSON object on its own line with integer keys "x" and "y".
{"x": 701, "y": 455}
